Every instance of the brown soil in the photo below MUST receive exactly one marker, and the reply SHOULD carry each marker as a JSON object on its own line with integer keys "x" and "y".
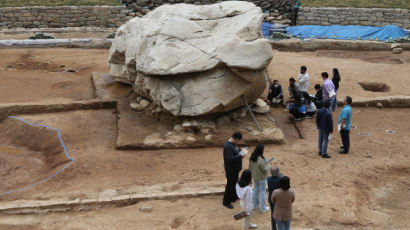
{"x": 28, "y": 154}
{"x": 366, "y": 189}
{"x": 58, "y": 35}
{"x": 354, "y": 67}
{"x": 29, "y": 75}
{"x": 374, "y": 86}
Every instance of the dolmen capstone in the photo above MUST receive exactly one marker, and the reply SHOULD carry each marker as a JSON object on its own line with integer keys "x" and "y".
{"x": 194, "y": 60}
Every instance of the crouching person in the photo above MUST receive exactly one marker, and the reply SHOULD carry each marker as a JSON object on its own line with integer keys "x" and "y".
{"x": 275, "y": 95}
{"x": 245, "y": 194}
{"x": 297, "y": 109}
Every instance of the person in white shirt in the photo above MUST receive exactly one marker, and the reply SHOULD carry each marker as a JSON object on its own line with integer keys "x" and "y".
{"x": 303, "y": 79}
{"x": 245, "y": 193}
{"x": 310, "y": 106}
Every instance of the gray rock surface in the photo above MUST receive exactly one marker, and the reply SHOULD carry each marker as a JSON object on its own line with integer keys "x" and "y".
{"x": 194, "y": 60}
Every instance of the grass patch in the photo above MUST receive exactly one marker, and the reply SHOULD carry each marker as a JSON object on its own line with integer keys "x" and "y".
{"x": 16, "y": 3}
{"x": 404, "y": 4}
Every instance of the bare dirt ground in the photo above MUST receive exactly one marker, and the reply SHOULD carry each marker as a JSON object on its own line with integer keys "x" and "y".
{"x": 354, "y": 67}
{"x": 57, "y": 35}
{"x": 366, "y": 189}
{"x": 29, "y": 75}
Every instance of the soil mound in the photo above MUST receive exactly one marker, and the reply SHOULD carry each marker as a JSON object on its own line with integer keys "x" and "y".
{"x": 28, "y": 154}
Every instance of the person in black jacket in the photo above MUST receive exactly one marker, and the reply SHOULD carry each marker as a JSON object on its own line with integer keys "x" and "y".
{"x": 318, "y": 100}
{"x": 324, "y": 124}
{"x": 336, "y": 79}
{"x": 275, "y": 95}
{"x": 232, "y": 165}
{"x": 273, "y": 183}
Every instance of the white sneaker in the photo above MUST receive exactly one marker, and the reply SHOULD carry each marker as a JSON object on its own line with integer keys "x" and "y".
{"x": 252, "y": 226}
{"x": 265, "y": 210}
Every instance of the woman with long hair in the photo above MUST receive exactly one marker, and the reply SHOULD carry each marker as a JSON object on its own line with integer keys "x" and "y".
{"x": 282, "y": 199}
{"x": 336, "y": 79}
{"x": 245, "y": 193}
{"x": 259, "y": 168}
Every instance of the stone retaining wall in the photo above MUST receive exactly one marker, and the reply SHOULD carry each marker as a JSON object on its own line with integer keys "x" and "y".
{"x": 354, "y": 16}
{"x": 62, "y": 16}
{"x": 280, "y": 6}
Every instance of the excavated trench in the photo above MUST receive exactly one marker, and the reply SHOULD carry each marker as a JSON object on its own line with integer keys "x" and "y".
{"x": 29, "y": 154}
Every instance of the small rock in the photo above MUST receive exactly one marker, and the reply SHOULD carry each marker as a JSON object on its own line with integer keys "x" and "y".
{"x": 144, "y": 103}
{"x": 204, "y": 131}
{"x": 178, "y": 128}
{"x": 70, "y": 70}
{"x": 136, "y": 106}
{"x": 264, "y": 109}
{"x": 145, "y": 11}
{"x": 259, "y": 102}
{"x": 107, "y": 195}
{"x": 186, "y": 124}
{"x": 379, "y": 105}
{"x": 194, "y": 123}
{"x": 190, "y": 139}
{"x": 62, "y": 66}
{"x": 395, "y": 45}
{"x": 221, "y": 121}
{"x": 397, "y": 50}
{"x": 269, "y": 19}
{"x": 146, "y": 209}
{"x": 139, "y": 99}
{"x": 274, "y": 14}
{"x": 208, "y": 137}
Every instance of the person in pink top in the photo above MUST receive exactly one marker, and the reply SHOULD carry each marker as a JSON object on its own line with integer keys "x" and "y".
{"x": 328, "y": 90}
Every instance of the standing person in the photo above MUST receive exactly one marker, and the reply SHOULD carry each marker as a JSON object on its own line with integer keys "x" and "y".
{"x": 259, "y": 167}
{"x": 344, "y": 124}
{"x": 328, "y": 90}
{"x": 273, "y": 183}
{"x": 295, "y": 12}
{"x": 232, "y": 165}
{"x": 275, "y": 95}
{"x": 245, "y": 193}
{"x": 293, "y": 88}
{"x": 303, "y": 79}
{"x": 336, "y": 79}
{"x": 324, "y": 123}
{"x": 283, "y": 198}
{"x": 318, "y": 96}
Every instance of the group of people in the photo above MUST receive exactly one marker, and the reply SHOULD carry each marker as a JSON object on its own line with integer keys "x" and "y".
{"x": 301, "y": 103}
{"x": 281, "y": 196}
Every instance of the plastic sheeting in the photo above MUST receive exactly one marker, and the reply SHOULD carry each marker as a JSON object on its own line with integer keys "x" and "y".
{"x": 386, "y": 33}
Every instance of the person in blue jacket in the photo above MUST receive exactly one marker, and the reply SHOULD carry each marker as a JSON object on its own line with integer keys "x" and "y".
{"x": 297, "y": 109}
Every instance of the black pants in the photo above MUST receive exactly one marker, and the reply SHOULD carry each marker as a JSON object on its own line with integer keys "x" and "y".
{"x": 310, "y": 113}
{"x": 230, "y": 190}
{"x": 295, "y": 112}
{"x": 272, "y": 220}
{"x": 295, "y": 16}
{"x": 345, "y": 139}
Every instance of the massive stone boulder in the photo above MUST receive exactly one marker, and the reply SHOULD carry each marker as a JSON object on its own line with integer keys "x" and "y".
{"x": 194, "y": 60}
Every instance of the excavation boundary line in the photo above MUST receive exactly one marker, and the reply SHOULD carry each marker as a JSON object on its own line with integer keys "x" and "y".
{"x": 55, "y": 174}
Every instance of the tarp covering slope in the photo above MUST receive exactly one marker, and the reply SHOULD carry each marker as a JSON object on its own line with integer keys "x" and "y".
{"x": 385, "y": 33}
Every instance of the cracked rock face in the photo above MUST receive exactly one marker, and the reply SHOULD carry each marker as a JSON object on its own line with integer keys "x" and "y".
{"x": 194, "y": 60}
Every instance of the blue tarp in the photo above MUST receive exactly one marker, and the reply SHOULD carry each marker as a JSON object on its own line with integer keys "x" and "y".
{"x": 385, "y": 33}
